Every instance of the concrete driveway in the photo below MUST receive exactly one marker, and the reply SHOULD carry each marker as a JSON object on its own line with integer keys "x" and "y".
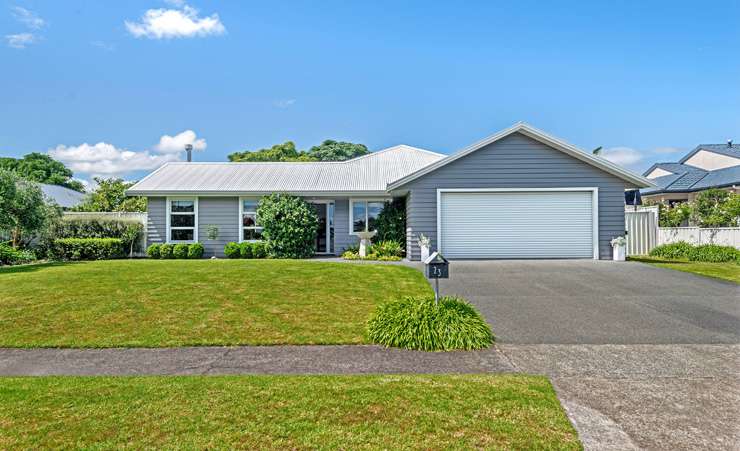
{"x": 641, "y": 357}
{"x": 597, "y": 302}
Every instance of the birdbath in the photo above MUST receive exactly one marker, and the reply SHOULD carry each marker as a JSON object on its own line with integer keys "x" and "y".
{"x": 365, "y": 242}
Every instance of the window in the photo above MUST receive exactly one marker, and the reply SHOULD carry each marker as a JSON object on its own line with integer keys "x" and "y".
{"x": 182, "y": 219}
{"x": 364, "y": 215}
{"x": 250, "y": 231}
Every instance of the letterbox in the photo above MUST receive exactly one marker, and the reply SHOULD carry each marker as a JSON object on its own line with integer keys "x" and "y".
{"x": 437, "y": 267}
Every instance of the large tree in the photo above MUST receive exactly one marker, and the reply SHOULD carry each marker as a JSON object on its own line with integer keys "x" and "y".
{"x": 110, "y": 195}
{"x": 39, "y": 167}
{"x": 23, "y": 210}
{"x": 328, "y": 150}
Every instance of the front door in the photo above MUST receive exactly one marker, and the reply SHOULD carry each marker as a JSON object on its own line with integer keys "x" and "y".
{"x": 325, "y": 233}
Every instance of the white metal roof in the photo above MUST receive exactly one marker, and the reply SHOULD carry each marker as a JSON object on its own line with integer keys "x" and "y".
{"x": 369, "y": 174}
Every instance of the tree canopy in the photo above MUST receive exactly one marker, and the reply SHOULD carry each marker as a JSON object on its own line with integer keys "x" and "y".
{"x": 329, "y": 150}
{"x": 23, "y": 209}
{"x": 110, "y": 195}
{"x": 39, "y": 167}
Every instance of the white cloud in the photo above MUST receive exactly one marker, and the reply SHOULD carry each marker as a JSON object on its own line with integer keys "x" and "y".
{"x": 106, "y": 160}
{"x": 27, "y": 18}
{"x": 20, "y": 40}
{"x": 183, "y": 22}
{"x": 284, "y": 103}
{"x": 665, "y": 150}
{"x": 623, "y": 156}
{"x": 174, "y": 144}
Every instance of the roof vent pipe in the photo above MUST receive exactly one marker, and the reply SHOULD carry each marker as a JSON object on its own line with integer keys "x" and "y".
{"x": 189, "y": 149}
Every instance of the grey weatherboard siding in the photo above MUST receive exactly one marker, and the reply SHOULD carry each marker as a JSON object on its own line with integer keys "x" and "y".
{"x": 515, "y": 161}
{"x": 224, "y": 213}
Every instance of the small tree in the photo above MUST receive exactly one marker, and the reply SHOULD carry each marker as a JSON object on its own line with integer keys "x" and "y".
{"x": 674, "y": 216}
{"x": 391, "y": 222}
{"x": 715, "y": 208}
{"x": 23, "y": 209}
{"x": 110, "y": 195}
{"x": 289, "y": 226}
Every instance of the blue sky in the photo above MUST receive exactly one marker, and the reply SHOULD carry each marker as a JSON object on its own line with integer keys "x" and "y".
{"x": 646, "y": 80}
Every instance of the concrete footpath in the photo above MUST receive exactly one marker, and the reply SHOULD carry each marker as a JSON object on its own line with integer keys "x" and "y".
{"x": 617, "y": 396}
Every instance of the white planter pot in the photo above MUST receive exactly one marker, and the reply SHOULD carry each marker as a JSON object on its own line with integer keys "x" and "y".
{"x": 619, "y": 252}
{"x": 424, "y": 252}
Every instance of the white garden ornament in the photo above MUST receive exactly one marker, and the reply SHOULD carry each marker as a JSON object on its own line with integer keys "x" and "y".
{"x": 619, "y": 247}
{"x": 425, "y": 244}
{"x": 365, "y": 242}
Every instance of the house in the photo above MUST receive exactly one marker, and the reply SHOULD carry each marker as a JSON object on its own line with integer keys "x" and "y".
{"x": 520, "y": 193}
{"x": 707, "y": 166}
{"x": 62, "y": 196}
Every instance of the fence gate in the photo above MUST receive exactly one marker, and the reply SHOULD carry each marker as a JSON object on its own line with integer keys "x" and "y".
{"x": 642, "y": 229}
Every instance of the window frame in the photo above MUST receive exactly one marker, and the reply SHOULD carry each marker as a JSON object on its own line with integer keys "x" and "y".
{"x": 169, "y": 213}
{"x": 241, "y": 226}
{"x": 352, "y": 211}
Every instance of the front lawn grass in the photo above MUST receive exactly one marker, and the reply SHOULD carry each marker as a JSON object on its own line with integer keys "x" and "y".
{"x": 157, "y": 303}
{"x": 726, "y": 271}
{"x": 284, "y": 412}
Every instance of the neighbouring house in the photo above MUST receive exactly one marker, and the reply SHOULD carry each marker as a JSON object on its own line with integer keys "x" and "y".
{"x": 63, "y": 196}
{"x": 520, "y": 193}
{"x": 707, "y": 166}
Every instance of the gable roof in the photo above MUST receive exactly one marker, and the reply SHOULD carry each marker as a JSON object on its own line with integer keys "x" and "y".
{"x": 676, "y": 168}
{"x": 687, "y": 178}
{"x": 722, "y": 149}
{"x": 63, "y": 196}
{"x": 537, "y": 135}
{"x": 368, "y": 174}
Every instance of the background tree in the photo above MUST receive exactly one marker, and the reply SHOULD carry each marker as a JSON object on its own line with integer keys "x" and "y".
{"x": 331, "y": 150}
{"x": 38, "y": 167}
{"x": 328, "y": 150}
{"x": 279, "y": 152}
{"x": 716, "y": 208}
{"x": 110, "y": 195}
{"x": 23, "y": 210}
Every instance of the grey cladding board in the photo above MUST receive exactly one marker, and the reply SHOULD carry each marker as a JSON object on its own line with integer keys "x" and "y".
{"x": 515, "y": 161}
{"x": 156, "y": 220}
{"x": 223, "y": 212}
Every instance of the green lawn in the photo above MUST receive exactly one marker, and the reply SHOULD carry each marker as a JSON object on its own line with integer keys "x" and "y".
{"x": 156, "y": 303}
{"x": 726, "y": 271}
{"x": 283, "y": 412}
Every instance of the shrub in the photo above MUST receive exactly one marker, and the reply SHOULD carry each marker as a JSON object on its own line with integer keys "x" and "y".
{"x": 127, "y": 231}
{"x": 245, "y": 250}
{"x": 88, "y": 249}
{"x": 11, "y": 256}
{"x": 196, "y": 251}
{"x": 180, "y": 251}
{"x": 153, "y": 250}
{"x": 674, "y": 216}
{"x": 289, "y": 226}
{"x": 714, "y": 253}
{"x": 673, "y": 251}
{"x": 703, "y": 253}
{"x": 232, "y": 250}
{"x": 258, "y": 250}
{"x": 419, "y": 324}
{"x": 391, "y": 222}
{"x": 165, "y": 251}
{"x": 387, "y": 249}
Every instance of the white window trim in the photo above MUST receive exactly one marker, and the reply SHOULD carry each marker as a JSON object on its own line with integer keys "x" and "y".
{"x": 594, "y": 202}
{"x": 168, "y": 210}
{"x": 241, "y": 215}
{"x": 352, "y": 200}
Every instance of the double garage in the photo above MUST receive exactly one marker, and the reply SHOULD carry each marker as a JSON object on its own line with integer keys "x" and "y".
{"x": 518, "y": 223}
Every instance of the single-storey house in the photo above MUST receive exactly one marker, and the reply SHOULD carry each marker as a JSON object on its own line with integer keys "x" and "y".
{"x": 707, "y": 166}
{"x": 520, "y": 193}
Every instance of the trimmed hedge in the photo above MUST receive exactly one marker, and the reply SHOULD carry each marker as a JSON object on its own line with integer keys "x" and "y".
{"x": 11, "y": 256}
{"x": 178, "y": 251}
{"x": 246, "y": 250}
{"x": 711, "y": 253}
{"x": 419, "y": 323}
{"x": 88, "y": 249}
{"x": 127, "y": 230}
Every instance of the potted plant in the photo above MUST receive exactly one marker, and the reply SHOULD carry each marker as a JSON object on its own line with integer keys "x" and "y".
{"x": 619, "y": 245}
{"x": 425, "y": 244}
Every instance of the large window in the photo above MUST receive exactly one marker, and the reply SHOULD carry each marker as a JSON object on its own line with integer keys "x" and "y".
{"x": 364, "y": 214}
{"x": 250, "y": 231}
{"x": 182, "y": 220}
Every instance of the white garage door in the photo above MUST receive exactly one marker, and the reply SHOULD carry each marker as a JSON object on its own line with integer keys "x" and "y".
{"x": 517, "y": 224}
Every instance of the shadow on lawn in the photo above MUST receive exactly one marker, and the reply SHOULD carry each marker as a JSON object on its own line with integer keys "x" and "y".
{"x": 32, "y": 267}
